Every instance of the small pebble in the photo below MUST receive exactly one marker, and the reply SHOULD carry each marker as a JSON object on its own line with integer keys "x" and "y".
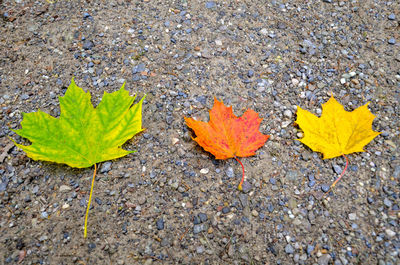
{"x": 160, "y": 224}
{"x": 243, "y": 199}
{"x": 325, "y": 187}
{"x": 35, "y": 189}
{"x": 204, "y": 170}
{"x": 310, "y": 249}
{"x": 264, "y": 31}
{"x": 246, "y": 187}
{"x": 390, "y": 233}
{"x": 196, "y": 220}
{"x": 105, "y": 167}
{"x": 138, "y": 68}
{"x": 65, "y": 188}
{"x": 392, "y": 41}
{"x": 210, "y": 4}
{"x": 289, "y": 249}
{"x": 250, "y": 73}
{"x": 311, "y": 183}
{"x": 388, "y": 203}
{"x": 88, "y": 45}
{"x": 392, "y": 17}
{"x": 200, "y": 250}
{"x": 225, "y": 210}
{"x": 337, "y": 169}
{"x": 324, "y": 259}
{"x": 198, "y": 228}
{"x": 352, "y": 216}
{"x": 203, "y": 217}
{"x": 287, "y": 113}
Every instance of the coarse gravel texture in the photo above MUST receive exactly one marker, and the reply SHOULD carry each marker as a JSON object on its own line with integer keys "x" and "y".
{"x": 171, "y": 202}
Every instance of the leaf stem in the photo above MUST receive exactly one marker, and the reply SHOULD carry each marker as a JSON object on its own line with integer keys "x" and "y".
{"x": 90, "y": 199}
{"x": 341, "y": 175}
{"x": 241, "y": 182}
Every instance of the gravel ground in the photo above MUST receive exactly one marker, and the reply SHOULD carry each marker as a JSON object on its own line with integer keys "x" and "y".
{"x": 171, "y": 202}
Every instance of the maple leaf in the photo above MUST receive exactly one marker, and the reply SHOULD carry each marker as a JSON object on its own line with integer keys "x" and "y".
{"x": 83, "y": 135}
{"x": 337, "y": 132}
{"x": 227, "y": 136}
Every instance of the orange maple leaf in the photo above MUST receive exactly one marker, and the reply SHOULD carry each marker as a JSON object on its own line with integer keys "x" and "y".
{"x": 227, "y": 136}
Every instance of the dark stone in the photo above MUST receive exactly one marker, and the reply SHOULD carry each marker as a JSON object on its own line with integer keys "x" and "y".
{"x": 98, "y": 201}
{"x": 337, "y": 169}
{"x": 250, "y": 73}
{"x": 160, "y": 224}
{"x": 88, "y": 45}
{"x": 311, "y": 183}
{"x": 20, "y": 244}
{"x": 86, "y": 15}
{"x": 196, "y": 220}
{"x": 325, "y": 187}
{"x": 203, "y": 217}
{"x": 226, "y": 210}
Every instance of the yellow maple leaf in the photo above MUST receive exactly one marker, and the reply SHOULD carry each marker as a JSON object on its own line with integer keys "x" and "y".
{"x": 337, "y": 132}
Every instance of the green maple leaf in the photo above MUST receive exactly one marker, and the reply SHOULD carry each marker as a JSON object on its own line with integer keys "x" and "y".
{"x": 83, "y": 135}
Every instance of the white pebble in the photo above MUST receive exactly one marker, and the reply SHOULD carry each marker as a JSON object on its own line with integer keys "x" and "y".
{"x": 352, "y": 216}
{"x": 287, "y": 113}
{"x": 295, "y": 82}
{"x": 390, "y": 233}
{"x": 204, "y": 170}
{"x": 285, "y": 124}
{"x": 64, "y": 188}
{"x": 264, "y": 31}
{"x": 174, "y": 141}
